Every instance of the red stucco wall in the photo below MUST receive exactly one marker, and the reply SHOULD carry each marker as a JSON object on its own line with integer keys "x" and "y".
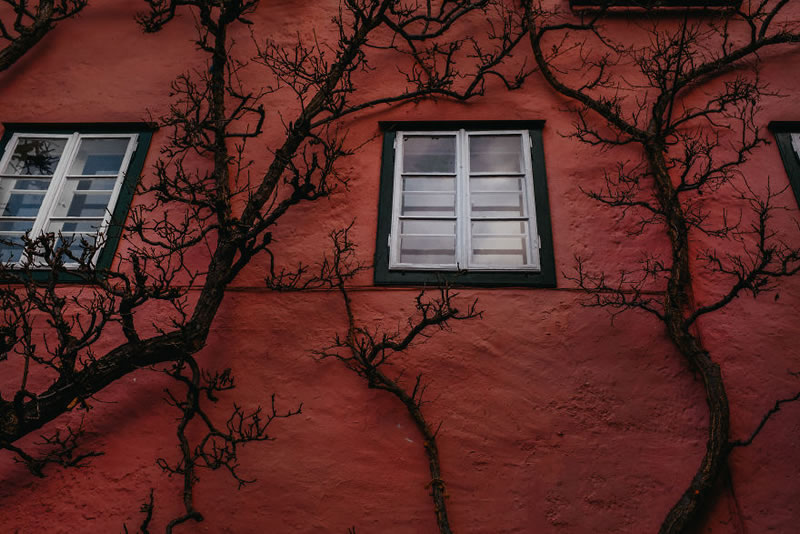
{"x": 554, "y": 419}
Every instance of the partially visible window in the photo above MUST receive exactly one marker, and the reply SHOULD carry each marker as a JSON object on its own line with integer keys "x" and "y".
{"x": 467, "y": 204}
{"x": 787, "y": 137}
{"x": 654, "y": 4}
{"x": 73, "y": 183}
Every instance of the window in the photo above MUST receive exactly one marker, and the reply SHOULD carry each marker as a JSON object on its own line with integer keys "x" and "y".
{"x": 654, "y": 4}
{"x": 464, "y": 202}
{"x": 787, "y": 137}
{"x": 72, "y": 181}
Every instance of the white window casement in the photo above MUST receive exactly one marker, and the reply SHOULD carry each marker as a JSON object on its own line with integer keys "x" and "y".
{"x": 465, "y": 201}
{"x": 65, "y": 184}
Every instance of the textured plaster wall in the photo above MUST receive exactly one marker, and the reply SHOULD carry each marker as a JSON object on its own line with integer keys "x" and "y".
{"x": 554, "y": 419}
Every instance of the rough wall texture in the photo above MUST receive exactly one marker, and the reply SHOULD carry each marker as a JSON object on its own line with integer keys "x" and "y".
{"x": 554, "y": 419}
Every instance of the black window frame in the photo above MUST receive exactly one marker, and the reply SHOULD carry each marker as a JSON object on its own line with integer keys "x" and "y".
{"x": 545, "y": 277}
{"x": 783, "y": 130}
{"x": 144, "y": 132}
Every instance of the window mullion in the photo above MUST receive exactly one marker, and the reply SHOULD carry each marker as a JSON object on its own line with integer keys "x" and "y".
{"x": 56, "y": 183}
{"x": 462, "y": 209}
{"x": 59, "y": 178}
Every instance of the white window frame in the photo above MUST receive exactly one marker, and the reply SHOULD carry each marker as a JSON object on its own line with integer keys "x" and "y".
{"x": 796, "y": 143}
{"x": 462, "y": 214}
{"x": 59, "y": 180}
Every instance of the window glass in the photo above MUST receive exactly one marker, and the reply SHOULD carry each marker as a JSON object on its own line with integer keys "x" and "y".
{"x": 503, "y": 251}
{"x": 11, "y": 233}
{"x": 427, "y": 204}
{"x": 426, "y": 153}
{"x": 497, "y": 205}
{"x": 495, "y": 183}
{"x": 428, "y": 250}
{"x": 495, "y": 153}
{"x": 99, "y": 156}
{"x": 22, "y": 204}
{"x": 73, "y": 234}
{"x": 429, "y": 183}
{"x": 83, "y": 198}
{"x": 35, "y": 156}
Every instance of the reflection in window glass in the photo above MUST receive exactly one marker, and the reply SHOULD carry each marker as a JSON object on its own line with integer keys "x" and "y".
{"x": 10, "y": 248}
{"x": 495, "y": 153}
{"x": 11, "y": 233}
{"x": 76, "y": 236}
{"x": 427, "y": 204}
{"x": 495, "y": 183}
{"x": 35, "y": 155}
{"x": 22, "y": 205}
{"x": 96, "y": 184}
{"x": 99, "y": 156}
{"x": 88, "y": 204}
{"x": 428, "y": 250}
{"x": 429, "y": 153}
{"x": 502, "y": 251}
{"x": 497, "y": 205}
{"x": 429, "y": 183}
{"x": 26, "y": 184}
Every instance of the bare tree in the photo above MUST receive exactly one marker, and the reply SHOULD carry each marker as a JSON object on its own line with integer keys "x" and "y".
{"x": 371, "y": 352}
{"x": 625, "y": 94}
{"x": 23, "y": 23}
{"x": 218, "y": 211}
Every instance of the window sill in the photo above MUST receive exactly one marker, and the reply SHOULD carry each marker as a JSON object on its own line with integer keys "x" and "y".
{"x": 13, "y": 276}
{"x": 466, "y": 278}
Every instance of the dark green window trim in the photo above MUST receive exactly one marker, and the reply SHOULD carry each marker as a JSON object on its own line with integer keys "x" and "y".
{"x": 545, "y": 277}
{"x": 791, "y": 159}
{"x": 120, "y": 212}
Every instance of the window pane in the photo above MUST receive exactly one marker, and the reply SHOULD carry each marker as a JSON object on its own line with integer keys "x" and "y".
{"x": 429, "y": 153}
{"x": 499, "y": 227}
{"x": 428, "y": 204}
{"x": 428, "y": 183}
{"x": 499, "y": 251}
{"x": 74, "y": 243}
{"x": 11, "y": 247}
{"x": 16, "y": 226}
{"x": 99, "y": 156}
{"x": 499, "y": 183}
{"x": 72, "y": 232}
{"x": 96, "y": 184}
{"x": 25, "y": 184}
{"x": 22, "y": 205}
{"x": 495, "y": 153}
{"x": 35, "y": 156}
{"x": 428, "y": 227}
{"x": 86, "y": 227}
{"x": 78, "y": 199}
{"x": 422, "y": 250}
{"x": 497, "y": 205}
